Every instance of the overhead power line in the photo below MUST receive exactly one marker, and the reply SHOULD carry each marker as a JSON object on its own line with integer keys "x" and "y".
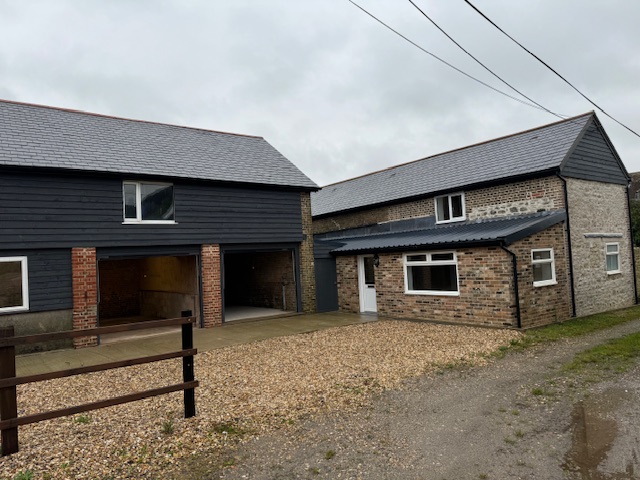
{"x": 445, "y": 62}
{"x": 549, "y": 67}
{"x": 482, "y": 64}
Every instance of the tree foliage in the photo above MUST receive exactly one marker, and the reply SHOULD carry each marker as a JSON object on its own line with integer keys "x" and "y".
{"x": 635, "y": 221}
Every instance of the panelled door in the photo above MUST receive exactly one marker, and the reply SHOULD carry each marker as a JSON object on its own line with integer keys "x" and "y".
{"x": 367, "y": 284}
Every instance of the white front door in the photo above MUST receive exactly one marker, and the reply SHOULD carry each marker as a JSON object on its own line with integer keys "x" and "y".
{"x": 367, "y": 283}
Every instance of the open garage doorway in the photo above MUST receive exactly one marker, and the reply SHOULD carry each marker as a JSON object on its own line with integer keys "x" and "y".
{"x": 147, "y": 288}
{"x": 259, "y": 284}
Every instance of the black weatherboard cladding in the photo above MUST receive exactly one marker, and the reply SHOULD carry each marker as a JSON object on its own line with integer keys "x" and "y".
{"x": 58, "y": 211}
{"x": 594, "y": 159}
{"x": 49, "y": 278}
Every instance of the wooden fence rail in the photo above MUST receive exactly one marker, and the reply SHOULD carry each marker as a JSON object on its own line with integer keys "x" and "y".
{"x": 9, "y": 420}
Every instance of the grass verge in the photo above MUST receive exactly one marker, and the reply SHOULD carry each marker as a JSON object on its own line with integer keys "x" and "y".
{"x": 617, "y": 356}
{"x": 576, "y": 327}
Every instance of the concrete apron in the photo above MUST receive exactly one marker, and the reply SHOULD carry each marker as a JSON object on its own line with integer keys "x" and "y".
{"x": 204, "y": 339}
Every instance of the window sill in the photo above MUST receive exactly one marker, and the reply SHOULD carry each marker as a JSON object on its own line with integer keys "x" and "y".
{"x": 546, "y": 283}
{"x": 453, "y": 220}
{"x": 432, "y": 293}
{"x": 6, "y": 310}
{"x": 149, "y": 222}
{"x": 614, "y": 272}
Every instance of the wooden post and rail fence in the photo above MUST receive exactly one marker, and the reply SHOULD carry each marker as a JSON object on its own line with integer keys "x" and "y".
{"x": 9, "y": 419}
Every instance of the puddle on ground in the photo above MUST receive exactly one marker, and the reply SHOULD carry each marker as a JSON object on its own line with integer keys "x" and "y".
{"x": 594, "y": 433}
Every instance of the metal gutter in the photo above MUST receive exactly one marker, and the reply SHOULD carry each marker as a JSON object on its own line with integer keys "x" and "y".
{"x": 514, "y": 261}
{"x": 633, "y": 253}
{"x": 569, "y": 249}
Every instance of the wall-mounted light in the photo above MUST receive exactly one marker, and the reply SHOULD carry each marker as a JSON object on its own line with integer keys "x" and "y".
{"x": 376, "y": 260}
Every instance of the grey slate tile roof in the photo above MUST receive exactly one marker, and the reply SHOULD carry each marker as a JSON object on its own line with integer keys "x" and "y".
{"x": 536, "y": 150}
{"x": 38, "y": 136}
{"x": 504, "y": 230}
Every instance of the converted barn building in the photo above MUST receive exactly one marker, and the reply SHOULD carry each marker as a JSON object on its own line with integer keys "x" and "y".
{"x": 519, "y": 231}
{"x": 106, "y": 220}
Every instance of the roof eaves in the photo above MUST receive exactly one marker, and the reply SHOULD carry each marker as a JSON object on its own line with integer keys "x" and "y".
{"x": 465, "y": 188}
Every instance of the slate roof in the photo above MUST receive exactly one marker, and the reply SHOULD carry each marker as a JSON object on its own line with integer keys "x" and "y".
{"x": 498, "y": 231}
{"x": 537, "y": 150}
{"x": 39, "y": 136}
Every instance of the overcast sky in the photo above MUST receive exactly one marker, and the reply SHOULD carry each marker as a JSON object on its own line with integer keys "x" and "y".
{"x": 334, "y": 91}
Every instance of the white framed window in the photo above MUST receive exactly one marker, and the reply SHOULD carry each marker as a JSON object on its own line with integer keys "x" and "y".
{"x": 14, "y": 284}
{"x": 612, "y": 254}
{"x": 148, "y": 202}
{"x": 431, "y": 273}
{"x": 450, "y": 208}
{"x": 544, "y": 267}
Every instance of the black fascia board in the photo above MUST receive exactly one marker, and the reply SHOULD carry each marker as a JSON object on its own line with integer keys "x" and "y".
{"x": 434, "y": 246}
{"x": 461, "y": 188}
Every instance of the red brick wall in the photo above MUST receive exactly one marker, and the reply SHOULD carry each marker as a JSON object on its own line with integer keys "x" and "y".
{"x": 307, "y": 265}
{"x": 211, "y": 285}
{"x": 487, "y": 294}
{"x": 85, "y": 293}
{"x": 550, "y": 303}
{"x": 347, "y": 278}
{"x": 485, "y": 282}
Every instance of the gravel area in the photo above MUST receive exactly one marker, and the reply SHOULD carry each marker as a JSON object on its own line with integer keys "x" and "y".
{"x": 251, "y": 389}
{"x": 521, "y": 417}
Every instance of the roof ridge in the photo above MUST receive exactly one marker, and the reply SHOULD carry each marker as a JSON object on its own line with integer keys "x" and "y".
{"x": 392, "y": 167}
{"x": 115, "y": 117}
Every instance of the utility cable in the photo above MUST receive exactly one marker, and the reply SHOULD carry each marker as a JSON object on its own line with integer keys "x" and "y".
{"x": 445, "y": 62}
{"x": 549, "y": 67}
{"x": 482, "y": 64}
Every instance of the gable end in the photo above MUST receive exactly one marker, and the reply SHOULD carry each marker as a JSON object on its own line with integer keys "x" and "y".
{"x": 594, "y": 158}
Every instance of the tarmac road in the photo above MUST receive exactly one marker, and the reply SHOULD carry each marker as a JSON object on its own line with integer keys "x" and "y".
{"x": 520, "y": 417}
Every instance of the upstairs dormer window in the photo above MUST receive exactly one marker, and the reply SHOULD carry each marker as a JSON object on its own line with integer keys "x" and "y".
{"x": 148, "y": 202}
{"x": 450, "y": 208}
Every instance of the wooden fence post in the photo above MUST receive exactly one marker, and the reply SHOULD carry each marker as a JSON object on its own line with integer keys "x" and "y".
{"x": 8, "y": 395}
{"x": 188, "y": 374}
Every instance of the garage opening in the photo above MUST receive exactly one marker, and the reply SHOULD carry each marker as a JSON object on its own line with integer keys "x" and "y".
{"x": 150, "y": 288}
{"x": 259, "y": 284}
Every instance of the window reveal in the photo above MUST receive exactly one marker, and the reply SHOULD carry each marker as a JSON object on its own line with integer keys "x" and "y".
{"x": 148, "y": 202}
{"x": 431, "y": 273}
{"x": 544, "y": 267}
{"x": 14, "y": 291}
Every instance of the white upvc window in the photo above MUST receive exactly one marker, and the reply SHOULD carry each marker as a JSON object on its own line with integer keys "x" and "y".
{"x": 450, "y": 208}
{"x": 431, "y": 273}
{"x": 544, "y": 267}
{"x": 14, "y": 284}
{"x": 612, "y": 254}
{"x": 148, "y": 202}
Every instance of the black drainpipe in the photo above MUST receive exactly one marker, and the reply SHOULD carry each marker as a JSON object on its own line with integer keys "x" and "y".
{"x": 571, "y": 280}
{"x": 633, "y": 253}
{"x": 514, "y": 261}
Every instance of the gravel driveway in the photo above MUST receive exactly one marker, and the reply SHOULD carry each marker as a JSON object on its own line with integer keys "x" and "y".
{"x": 518, "y": 418}
{"x": 247, "y": 389}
